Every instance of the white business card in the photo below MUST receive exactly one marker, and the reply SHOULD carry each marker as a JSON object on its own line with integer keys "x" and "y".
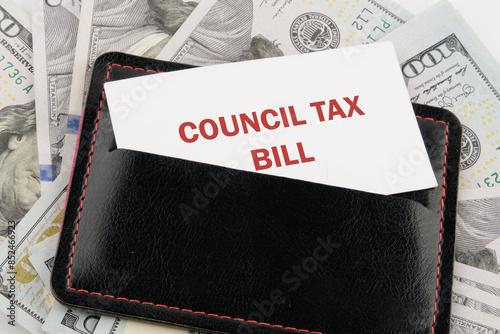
{"x": 341, "y": 117}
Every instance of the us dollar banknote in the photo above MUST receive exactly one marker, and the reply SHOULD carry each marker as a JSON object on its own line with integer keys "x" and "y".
{"x": 465, "y": 320}
{"x": 23, "y": 296}
{"x": 227, "y": 31}
{"x": 136, "y": 27}
{"x": 449, "y": 68}
{"x": 121, "y": 326}
{"x": 477, "y": 241}
{"x": 64, "y": 320}
{"x": 477, "y": 248}
{"x": 472, "y": 312}
{"x": 110, "y": 325}
{"x": 476, "y": 278}
{"x": 19, "y": 167}
{"x": 132, "y": 327}
{"x": 55, "y": 29}
{"x": 475, "y": 299}
{"x": 41, "y": 256}
{"x": 477, "y": 262}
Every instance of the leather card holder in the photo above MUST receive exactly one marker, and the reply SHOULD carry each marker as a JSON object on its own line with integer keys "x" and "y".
{"x": 213, "y": 248}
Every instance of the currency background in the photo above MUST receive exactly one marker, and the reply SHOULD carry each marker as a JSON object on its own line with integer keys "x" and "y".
{"x": 479, "y": 14}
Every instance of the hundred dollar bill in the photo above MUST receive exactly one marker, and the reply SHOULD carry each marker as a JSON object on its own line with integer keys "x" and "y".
{"x": 64, "y": 320}
{"x": 484, "y": 298}
{"x": 227, "y": 31}
{"x": 478, "y": 232}
{"x": 476, "y": 299}
{"x": 131, "y": 327}
{"x": 55, "y": 30}
{"x": 109, "y": 325}
{"x": 42, "y": 255}
{"x": 19, "y": 168}
{"x": 465, "y": 320}
{"x": 482, "y": 280}
{"x": 449, "y": 68}
{"x": 121, "y": 326}
{"x": 476, "y": 269}
{"x": 23, "y": 295}
{"x": 137, "y": 27}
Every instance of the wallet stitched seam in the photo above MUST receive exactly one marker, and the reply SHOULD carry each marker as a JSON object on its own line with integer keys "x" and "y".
{"x": 443, "y": 196}
{"x": 216, "y": 315}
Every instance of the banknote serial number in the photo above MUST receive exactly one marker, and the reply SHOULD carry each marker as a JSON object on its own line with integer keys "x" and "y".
{"x": 8, "y": 68}
{"x": 491, "y": 180}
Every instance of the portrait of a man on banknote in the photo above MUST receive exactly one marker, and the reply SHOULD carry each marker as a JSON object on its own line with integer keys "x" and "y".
{"x": 224, "y": 34}
{"x": 19, "y": 168}
{"x": 485, "y": 259}
{"x": 477, "y": 228}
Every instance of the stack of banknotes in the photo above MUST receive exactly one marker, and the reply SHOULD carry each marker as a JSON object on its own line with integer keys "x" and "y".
{"x": 47, "y": 51}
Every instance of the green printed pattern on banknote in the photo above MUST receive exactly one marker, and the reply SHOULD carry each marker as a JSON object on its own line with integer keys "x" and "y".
{"x": 16, "y": 56}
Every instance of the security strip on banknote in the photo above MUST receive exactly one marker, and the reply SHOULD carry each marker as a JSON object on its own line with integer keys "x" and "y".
{"x": 105, "y": 26}
{"x": 55, "y": 30}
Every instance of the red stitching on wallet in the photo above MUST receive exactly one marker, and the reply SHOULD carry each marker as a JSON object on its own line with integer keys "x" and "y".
{"x": 443, "y": 196}
{"x": 211, "y": 314}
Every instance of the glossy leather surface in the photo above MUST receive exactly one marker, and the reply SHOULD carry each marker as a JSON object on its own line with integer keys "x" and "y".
{"x": 259, "y": 254}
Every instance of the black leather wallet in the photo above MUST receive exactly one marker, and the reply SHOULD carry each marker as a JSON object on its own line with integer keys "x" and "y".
{"x": 212, "y": 248}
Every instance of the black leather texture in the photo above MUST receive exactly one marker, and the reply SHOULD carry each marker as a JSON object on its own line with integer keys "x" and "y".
{"x": 257, "y": 253}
